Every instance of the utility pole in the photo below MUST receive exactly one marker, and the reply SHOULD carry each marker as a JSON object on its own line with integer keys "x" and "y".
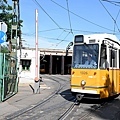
{"x": 15, "y": 28}
{"x": 37, "y": 81}
{"x": 13, "y": 44}
{"x": 19, "y": 28}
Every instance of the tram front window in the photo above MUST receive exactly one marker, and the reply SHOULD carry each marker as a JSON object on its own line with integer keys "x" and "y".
{"x": 85, "y": 56}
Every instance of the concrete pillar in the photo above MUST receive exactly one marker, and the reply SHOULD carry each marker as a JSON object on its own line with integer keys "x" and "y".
{"x": 62, "y": 65}
{"x": 50, "y": 65}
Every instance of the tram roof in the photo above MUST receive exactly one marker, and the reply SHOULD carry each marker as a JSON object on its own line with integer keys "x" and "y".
{"x": 102, "y": 36}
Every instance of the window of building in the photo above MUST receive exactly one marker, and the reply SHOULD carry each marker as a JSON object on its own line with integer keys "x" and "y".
{"x": 25, "y": 64}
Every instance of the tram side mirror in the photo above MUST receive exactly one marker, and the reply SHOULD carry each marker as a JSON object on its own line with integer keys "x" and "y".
{"x": 68, "y": 47}
{"x": 113, "y": 54}
{"x": 66, "y": 52}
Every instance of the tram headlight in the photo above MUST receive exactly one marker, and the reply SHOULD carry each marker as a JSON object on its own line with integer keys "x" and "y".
{"x": 83, "y": 82}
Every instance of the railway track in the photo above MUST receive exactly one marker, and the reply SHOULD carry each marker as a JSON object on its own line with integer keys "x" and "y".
{"x": 26, "y": 111}
{"x": 56, "y": 107}
{"x": 68, "y": 114}
{"x": 68, "y": 111}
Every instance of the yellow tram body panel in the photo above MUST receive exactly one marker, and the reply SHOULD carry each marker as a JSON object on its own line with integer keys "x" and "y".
{"x": 95, "y": 67}
{"x": 102, "y": 82}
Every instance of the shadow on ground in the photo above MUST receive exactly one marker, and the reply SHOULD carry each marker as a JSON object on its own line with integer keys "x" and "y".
{"x": 109, "y": 109}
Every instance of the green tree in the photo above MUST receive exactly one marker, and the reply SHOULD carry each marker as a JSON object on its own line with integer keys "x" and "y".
{"x": 4, "y": 49}
{"x": 7, "y": 17}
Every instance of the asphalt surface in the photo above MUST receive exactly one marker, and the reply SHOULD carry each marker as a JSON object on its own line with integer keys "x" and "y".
{"x": 24, "y": 98}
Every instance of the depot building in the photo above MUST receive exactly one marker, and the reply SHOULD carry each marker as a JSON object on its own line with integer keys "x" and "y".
{"x": 50, "y": 61}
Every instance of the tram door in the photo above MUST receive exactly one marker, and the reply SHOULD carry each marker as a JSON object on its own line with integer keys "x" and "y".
{"x": 113, "y": 69}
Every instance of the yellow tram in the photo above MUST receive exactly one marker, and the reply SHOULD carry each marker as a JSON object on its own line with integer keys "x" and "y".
{"x": 95, "y": 71}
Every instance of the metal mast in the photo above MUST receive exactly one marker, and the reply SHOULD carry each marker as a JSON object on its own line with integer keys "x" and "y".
{"x": 15, "y": 41}
{"x": 37, "y": 81}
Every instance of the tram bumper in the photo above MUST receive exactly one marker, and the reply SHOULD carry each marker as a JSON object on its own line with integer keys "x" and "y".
{"x": 90, "y": 94}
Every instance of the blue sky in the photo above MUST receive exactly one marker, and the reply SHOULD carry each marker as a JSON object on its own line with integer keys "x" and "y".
{"x": 60, "y": 20}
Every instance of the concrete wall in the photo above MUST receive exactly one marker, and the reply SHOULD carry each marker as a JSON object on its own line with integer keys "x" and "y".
{"x": 28, "y": 55}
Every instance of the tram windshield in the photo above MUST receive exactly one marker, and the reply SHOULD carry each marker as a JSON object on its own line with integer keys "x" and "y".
{"x": 85, "y": 56}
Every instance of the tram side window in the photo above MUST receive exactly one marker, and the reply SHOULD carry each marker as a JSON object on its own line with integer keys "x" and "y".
{"x": 113, "y": 61}
{"x": 110, "y": 58}
{"x": 103, "y": 57}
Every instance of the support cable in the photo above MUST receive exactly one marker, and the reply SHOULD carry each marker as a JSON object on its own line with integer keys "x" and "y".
{"x": 116, "y": 19}
{"x": 113, "y": 2}
{"x": 69, "y": 16}
{"x": 63, "y": 39}
{"x": 46, "y": 12}
{"x": 50, "y": 18}
{"x": 81, "y": 17}
{"x": 110, "y": 15}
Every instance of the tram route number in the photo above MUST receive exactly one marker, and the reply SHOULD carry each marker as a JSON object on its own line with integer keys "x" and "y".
{"x": 84, "y": 72}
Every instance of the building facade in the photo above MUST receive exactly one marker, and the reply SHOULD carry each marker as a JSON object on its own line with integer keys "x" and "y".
{"x": 50, "y": 61}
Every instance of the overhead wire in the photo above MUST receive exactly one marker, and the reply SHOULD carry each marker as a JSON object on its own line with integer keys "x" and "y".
{"x": 37, "y": 3}
{"x": 67, "y": 29}
{"x": 50, "y": 18}
{"x": 110, "y": 15}
{"x": 81, "y": 17}
{"x": 116, "y": 4}
{"x": 106, "y": 10}
{"x": 46, "y": 13}
{"x": 71, "y": 30}
{"x": 116, "y": 19}
{"x": 60, "y": 41}
{"x": 69, "y": 16}
{"x": 63, "y": 39}
{"x": 69, "y": 12}
{"x": 112, "y": 3}
{"x": 69, "y": 24}
{"x": 49, "y": 30}
{"x": 57, "y": 39}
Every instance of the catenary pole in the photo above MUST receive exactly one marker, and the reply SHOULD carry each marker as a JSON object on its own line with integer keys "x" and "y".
{"x": 36, "y": 43}
{"x": 37, "y": 81}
